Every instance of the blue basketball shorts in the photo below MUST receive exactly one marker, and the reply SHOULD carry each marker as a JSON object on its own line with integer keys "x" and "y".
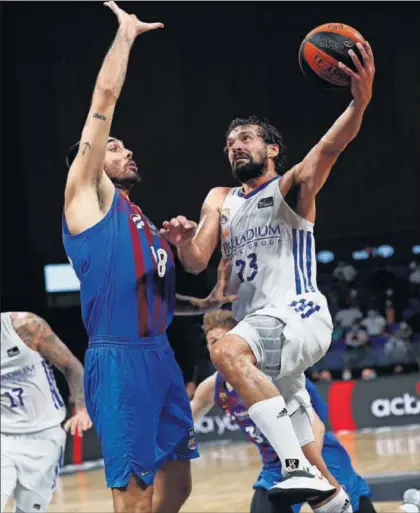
{"x": 135, "y": 395}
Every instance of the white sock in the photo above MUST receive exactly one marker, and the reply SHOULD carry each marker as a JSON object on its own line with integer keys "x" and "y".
{"x": 338, "y": 504}
{"x": 272, "y": 419}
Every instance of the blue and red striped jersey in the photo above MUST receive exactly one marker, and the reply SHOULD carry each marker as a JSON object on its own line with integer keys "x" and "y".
{"x": 230, "y": 401}
{"x": 126, "y": 271}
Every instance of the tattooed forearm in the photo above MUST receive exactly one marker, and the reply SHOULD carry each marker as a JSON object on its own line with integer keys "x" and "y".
{"x": 86, "y": 147}
{"x": 37, "y": 335}
{"x": 186, "y": 305}
{"x": 99, "y": 116}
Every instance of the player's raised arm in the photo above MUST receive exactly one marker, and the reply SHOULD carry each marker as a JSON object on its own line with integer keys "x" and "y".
{"x": 38, "y": 336}
{"x": 89, "y": 191}
{"x": 203, "y": 398}
{"x": 195, "y": 245}
{"x": 313, "y": 171}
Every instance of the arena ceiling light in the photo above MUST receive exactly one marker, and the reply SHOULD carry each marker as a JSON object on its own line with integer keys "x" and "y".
{"x": 385, "y": 251}
{"x": 416, "y": 249}
{"x": 362, "y": 254}
{"x": 325, "y": 256}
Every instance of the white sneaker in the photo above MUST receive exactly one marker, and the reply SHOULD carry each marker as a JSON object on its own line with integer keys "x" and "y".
{"x": 301, "y": 485}
{"x": 411, "y": 501}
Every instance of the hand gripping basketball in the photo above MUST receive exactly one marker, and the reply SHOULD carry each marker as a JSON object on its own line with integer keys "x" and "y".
{"x": 362, "y": 81}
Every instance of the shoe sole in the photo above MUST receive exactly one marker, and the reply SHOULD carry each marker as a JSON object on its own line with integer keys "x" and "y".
{"x": 289, "y": 497}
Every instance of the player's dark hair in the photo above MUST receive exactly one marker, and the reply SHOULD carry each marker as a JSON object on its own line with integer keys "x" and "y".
{"x": 269, "y": 134}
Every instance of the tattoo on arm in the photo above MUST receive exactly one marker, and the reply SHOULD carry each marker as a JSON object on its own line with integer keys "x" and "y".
{"x": 86, "y": 147}
{"x": 37, "y": 335}
{"x": 99, "y": 116}
{"x": 185, "y": 305}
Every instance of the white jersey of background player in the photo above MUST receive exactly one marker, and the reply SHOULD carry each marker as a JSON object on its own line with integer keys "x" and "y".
{"x": 284, "y": 324}
{"x": 32, "y": 410}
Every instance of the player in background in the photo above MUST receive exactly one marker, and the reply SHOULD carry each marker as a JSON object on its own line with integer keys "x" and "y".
{"x": 267, "y": 228}
{"x": 32, "y": 410}
{"x": 214, "y": 390}
{"x": 135, "y": 392}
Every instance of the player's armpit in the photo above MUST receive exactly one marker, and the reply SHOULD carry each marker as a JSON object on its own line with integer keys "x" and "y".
{"x": 38, "y": 336}
{"x": 309, "y": 176}
{"x": 203, "y": 398}
{"x": 196, "y": 255}
{"x": 89, "y": 192}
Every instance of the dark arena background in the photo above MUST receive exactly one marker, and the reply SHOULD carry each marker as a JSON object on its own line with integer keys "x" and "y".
{"x": 215, "y": 61}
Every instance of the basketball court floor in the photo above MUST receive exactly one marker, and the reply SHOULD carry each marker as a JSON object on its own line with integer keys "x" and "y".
{"x": 223, "y": 476}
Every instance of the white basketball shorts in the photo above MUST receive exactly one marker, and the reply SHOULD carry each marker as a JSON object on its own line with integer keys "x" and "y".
{"x": 29, "y": 468}
{"x": 287, "y": 340}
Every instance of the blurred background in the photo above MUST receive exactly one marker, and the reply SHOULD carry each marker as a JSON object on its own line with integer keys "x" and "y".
{"x": 213, "y": 62}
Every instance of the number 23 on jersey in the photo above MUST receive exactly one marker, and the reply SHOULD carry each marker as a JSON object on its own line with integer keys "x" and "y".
{"x": 247, "y": 270}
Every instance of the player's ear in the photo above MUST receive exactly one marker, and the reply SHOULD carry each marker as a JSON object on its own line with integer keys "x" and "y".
{"x": 273, "y": 150}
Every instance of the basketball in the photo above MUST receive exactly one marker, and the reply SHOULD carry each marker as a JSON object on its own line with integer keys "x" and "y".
{"x": 323, "y": 48}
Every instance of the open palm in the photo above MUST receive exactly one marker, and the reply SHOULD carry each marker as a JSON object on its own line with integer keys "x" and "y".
{"x": 130, "y": 21}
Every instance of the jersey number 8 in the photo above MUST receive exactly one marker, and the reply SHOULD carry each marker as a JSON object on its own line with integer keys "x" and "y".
{"x": 161, "y": 259}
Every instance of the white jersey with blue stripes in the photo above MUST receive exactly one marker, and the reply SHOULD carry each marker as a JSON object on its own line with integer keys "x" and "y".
{"x": 30, "y": 400}
{"x": 272, "y": 249}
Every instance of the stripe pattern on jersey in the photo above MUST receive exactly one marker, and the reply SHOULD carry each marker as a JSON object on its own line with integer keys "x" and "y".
{"x": 155, "y": 294}
{"x": 57, "y": 401}
{"x": 302, "y": 259}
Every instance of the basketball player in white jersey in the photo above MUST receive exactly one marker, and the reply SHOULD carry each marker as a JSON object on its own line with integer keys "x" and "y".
{"x": 266, "y": 227}
{"x": 32, "y": 410}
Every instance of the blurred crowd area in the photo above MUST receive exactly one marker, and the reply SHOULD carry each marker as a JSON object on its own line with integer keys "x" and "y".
{"x": 376, "y": 315}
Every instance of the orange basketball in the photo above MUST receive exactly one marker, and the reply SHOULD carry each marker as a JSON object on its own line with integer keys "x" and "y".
{"x": 323, "y": 48}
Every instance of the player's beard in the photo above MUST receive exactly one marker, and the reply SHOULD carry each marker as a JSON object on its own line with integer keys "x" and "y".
{"x": 251, "y": 169}
{"x": 125, "y": 183}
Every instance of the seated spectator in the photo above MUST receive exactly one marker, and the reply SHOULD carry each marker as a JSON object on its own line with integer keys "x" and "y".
{"x": 344, "y": 272}
{"x": 346, "y": 317}
{"x": 414, "y": 276}
{"x": 356, "y": 353}
{"x": 396, "y": 351}
{"x": 404, "y": 332}
{"x": 325, "y": 376}
{"x": 374, "y": 323}
{"x": 368, "y": 374}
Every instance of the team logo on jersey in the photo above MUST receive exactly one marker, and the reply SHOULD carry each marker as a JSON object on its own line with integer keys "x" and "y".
{"x": 137, "y": 220}
{"x": 223, "y": 398}
{"x": 13, "y": 351}
{"x": 225, "y": 215}
{"x": 192, "y": 444}
{"x": 267, "y": 235}
{"x": 266, "y": 202}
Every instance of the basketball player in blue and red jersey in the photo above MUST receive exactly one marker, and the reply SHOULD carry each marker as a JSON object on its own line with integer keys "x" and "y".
{"x": 338, "y": 468}
{"x": 134, "y": 389}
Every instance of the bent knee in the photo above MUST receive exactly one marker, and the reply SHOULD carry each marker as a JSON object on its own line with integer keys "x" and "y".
{"x": 231, "y": 350}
